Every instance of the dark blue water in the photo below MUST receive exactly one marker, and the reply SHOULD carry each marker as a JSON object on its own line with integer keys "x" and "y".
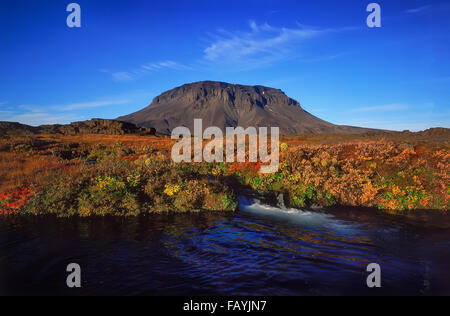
{"x": 259, "y": 250}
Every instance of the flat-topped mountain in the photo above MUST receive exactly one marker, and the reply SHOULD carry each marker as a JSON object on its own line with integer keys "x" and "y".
{"x": 94, "y": 126}
{"x": 230, "y": 105}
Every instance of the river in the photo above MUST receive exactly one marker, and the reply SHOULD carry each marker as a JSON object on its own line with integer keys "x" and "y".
{"x": 259, "y": 250}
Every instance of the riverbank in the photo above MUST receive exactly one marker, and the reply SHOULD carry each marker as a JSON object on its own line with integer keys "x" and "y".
{"x": 132, "y": 175}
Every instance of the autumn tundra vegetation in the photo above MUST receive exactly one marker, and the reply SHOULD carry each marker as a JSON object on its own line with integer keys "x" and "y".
{"x": 131, "y": 175}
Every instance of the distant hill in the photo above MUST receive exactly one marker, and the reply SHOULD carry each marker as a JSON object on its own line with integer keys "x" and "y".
{"x": 222, "y": 104}
{"x": 94, "y": 126}
{"x": 435, "y": 132}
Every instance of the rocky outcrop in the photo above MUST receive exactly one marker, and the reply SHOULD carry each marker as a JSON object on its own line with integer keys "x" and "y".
{"x": 230, "y": 105}
{"x": 13, "y": 128}
{"x": 94, "y": 126}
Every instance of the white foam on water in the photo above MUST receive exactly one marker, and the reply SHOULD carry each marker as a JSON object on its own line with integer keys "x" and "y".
{"x": 296, "y": 216}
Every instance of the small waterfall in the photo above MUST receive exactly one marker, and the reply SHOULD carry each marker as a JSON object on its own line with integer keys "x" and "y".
{"x": 299, "y": 217}
{"x": 296, "y": 215}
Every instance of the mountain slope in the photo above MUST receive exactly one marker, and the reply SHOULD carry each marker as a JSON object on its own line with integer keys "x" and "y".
{"x": 222, "y": 104}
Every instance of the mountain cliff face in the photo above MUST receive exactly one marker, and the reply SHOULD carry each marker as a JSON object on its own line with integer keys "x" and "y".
{"x": 230, "y": 105}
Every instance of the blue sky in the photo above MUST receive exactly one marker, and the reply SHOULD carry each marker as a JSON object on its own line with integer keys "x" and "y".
{"x": 319, "y": 52}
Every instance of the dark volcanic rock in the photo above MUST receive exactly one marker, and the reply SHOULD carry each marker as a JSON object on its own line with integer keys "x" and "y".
{"x": 230, "y": 105}
{"x": 94, "y": 126}
{"x": 13, "y": 128}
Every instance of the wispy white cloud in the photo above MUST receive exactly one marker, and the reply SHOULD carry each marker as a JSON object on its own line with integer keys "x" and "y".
{"x": 34, "y": 114}
{"x": 414, "y": 117}
{"x": 34, "y": 108}
{"x": 399, "y": 125}
{"x": 20, "y": 108}
{"x": 324, "y": 58}
{"x": 62, "y": 114}
{"x": 383, "y": 108}
{"x": 145, "y": 69}
{"x": 260, "y": 44}
{"x": 161, "y": 65}
{"x": 418, "y": 10}
{"x": 94, "y": 104}
{"x": 40, "y": 118}
{"x": 122, "y": 76}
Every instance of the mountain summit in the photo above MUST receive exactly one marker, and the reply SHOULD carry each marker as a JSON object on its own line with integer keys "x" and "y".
{"x": 230, "y": 105}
